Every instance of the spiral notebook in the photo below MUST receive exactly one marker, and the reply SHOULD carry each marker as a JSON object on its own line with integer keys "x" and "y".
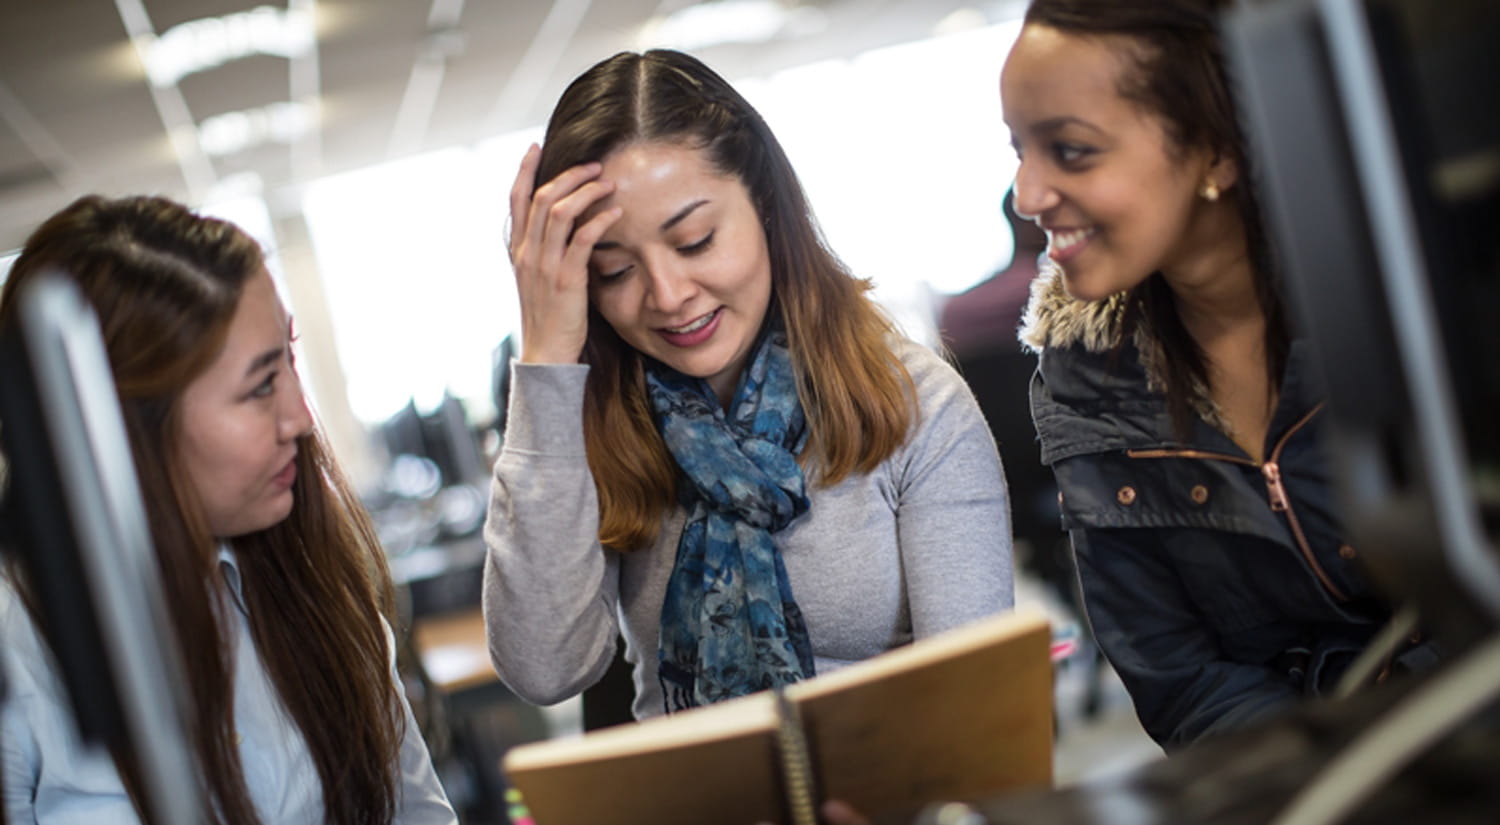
{"x": 962, "y": 715}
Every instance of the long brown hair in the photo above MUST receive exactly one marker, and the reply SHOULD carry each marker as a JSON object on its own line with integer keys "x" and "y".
{"x": 1180, "y": 76}
{"x": 856, "y": 393}
{"x": 165, "y": 284}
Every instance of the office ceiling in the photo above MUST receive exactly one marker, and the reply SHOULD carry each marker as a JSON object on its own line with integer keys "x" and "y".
{"x": 391, "y": 77}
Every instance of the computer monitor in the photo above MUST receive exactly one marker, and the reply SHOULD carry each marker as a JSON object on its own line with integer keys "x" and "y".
{"x": 78, "y": 526}
{"x": 441, "y": 435}
{"x": 1375, "y": 137}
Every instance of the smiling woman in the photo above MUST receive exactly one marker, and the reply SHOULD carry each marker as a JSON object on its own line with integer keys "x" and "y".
{"x": 684, "y": 275}
{"x": 717, "y": 446}
{"x": 1176, "y": 408}
{"x": 1091, "y": 157}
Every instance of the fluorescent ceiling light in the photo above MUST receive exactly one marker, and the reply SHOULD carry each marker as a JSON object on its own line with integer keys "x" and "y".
{"x": 231, "y": 132}
{"x": 213, "y": 41}
{"x": 713, "y": 23}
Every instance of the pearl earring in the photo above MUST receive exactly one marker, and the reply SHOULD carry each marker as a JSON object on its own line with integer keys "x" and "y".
{"x": 1210, "y": 191}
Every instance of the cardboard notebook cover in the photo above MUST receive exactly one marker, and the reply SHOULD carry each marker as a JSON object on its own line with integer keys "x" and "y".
{"x": 962, "y": 715}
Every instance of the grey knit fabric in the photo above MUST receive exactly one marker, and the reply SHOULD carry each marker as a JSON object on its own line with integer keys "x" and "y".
{"x": 920, "y": 545}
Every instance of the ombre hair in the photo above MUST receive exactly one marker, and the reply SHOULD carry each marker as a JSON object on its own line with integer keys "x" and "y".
{"x": 856, "y": 393}
{"x": 165, "y": 284}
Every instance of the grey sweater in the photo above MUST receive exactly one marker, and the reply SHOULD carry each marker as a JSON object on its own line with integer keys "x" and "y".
{"x": 920, "y": 545}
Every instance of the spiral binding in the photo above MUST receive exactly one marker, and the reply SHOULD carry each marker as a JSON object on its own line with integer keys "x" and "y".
{"x": 796, "y": 763}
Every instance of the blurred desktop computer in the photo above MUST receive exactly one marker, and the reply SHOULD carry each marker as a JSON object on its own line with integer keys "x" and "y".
{"x": 75, "y": 522}
{"x": 1375, "y": 136}
{"x": 441, "y": 435}
{"x": 1374, "y": 128}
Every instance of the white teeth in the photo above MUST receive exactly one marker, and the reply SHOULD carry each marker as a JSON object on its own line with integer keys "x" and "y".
{"x": 694, "y": 326}
{"x": 1072, "y": 237}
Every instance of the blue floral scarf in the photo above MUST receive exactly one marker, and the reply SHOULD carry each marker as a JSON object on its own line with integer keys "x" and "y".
{"x": 729, "y": 624}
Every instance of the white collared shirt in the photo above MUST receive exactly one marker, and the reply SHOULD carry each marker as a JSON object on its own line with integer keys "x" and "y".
{"x": 51, "y": 777}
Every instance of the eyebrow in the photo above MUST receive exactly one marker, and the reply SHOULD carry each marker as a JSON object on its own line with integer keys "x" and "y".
{"x": 1057, "y": 124}
{"x": 665, "y": 225}
{"x": 264, "y": 360}
{"x": 682, "y": 213}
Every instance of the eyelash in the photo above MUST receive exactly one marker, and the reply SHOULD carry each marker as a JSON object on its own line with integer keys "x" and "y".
{"x": 698, "y": 247}
{"x": 266, "y": 387}
{"x": 1069, "y": 154}
{"x": 692, "y": 249}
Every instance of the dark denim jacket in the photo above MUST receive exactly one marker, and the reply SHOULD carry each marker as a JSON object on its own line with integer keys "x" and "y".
{"x": 1219, "y": 588}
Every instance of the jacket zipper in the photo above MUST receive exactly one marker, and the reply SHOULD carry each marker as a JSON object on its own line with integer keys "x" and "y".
{"x": 1275, "y": 490}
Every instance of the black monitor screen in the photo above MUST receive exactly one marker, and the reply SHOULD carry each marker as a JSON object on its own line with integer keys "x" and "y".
{"x": 76, "y": 522}
{"x": 1375, "y": 140}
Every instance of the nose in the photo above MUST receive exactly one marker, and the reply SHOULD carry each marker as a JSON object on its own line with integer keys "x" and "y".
{"x": 1034, "y": 191}
{"x": 294, "y": 419}
{"x": 668, "y": 286}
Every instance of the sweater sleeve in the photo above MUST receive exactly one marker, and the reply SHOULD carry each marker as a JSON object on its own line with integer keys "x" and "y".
{"x": 550, "y": 588}
{"x": 953, "y": 512}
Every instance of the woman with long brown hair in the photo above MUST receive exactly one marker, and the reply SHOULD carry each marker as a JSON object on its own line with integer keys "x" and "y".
{"x": 275, "y": 581}
{"x": 717, "y": 445}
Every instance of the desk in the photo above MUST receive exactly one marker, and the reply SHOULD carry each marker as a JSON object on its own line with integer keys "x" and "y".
{"x": 483, "y": 716}
{"x": 454, "y": 651}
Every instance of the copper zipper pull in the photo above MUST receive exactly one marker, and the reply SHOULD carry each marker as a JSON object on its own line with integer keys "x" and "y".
{"x": 1272, "y": 472}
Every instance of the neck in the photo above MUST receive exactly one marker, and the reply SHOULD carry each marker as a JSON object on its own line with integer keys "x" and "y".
{"x": 724, "y": 389}
{"x": 1214, "y": 286}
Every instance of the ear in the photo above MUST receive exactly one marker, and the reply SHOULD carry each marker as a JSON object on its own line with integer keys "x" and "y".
{"x": 1223, "y": 171}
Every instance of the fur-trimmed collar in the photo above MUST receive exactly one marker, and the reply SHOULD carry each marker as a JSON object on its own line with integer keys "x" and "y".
{"x": 1056, "y": 319}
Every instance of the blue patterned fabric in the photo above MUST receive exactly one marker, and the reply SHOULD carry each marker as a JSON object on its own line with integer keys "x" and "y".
{"x": 730, "y": 625}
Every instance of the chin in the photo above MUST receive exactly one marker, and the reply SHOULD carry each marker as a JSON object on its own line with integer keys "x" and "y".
{"x": 696, "y": 364}
{"x": 1085, "y": 287}
{"x": 1083, "y": 290}
{"x": 269, "y": 518}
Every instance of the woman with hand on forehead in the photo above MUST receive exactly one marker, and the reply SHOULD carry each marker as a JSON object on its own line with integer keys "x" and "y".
{"x": 717, "y": 446}
{"x": 1178, "y": 411}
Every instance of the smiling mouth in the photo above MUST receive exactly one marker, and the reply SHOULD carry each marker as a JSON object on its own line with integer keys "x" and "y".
{"x": 692, "y": 326}
{"x": 693, "y": 333}
{"x": 1064, "y": 244}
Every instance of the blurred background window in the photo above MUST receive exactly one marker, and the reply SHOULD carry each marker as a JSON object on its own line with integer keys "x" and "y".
{"x": 902, "y": 150}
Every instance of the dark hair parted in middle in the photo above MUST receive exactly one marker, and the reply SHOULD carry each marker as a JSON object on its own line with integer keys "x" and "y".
{"x": 856, "y": 394}
{"x": 1178, "y": 74}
